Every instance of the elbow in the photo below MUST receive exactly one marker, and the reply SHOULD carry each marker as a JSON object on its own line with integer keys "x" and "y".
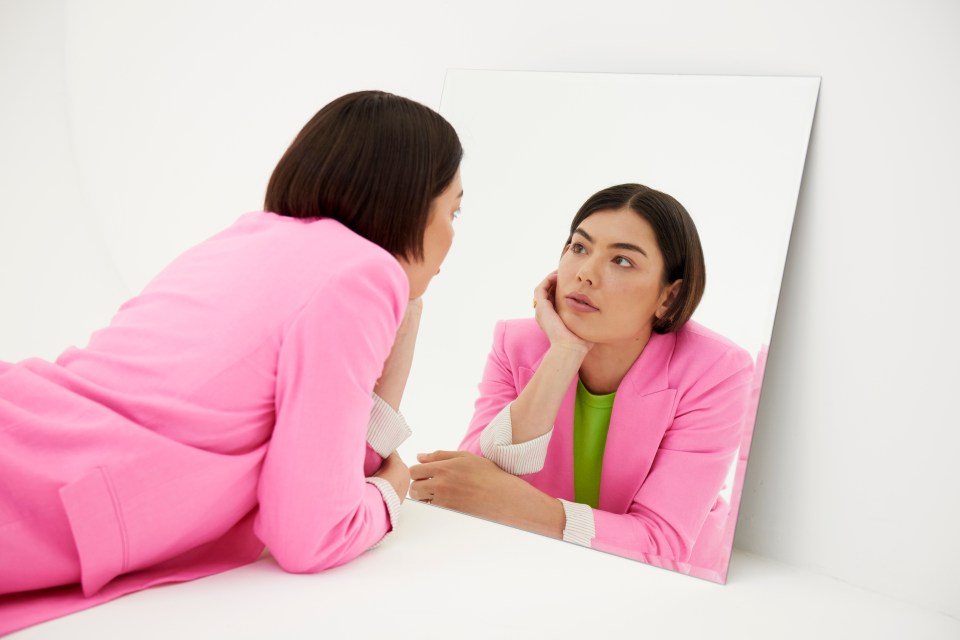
{"x": 312, "y": 547}
{"x": 293, "y": 561}
{"x": 296, "y": 554}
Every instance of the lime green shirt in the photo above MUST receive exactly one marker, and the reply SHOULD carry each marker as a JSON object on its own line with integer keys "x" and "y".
{"x": 591, "y": 420}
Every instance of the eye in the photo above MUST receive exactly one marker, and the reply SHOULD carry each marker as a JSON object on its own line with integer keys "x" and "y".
{"x": 623, "y": 262}
{"x": 576, "y": 247}
{"x": 456, "y": 214}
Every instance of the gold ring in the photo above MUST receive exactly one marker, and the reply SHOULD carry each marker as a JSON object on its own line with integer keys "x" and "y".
{"x": 534, "y": 303}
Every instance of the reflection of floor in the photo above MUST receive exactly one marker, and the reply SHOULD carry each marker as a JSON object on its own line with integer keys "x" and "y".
{"x": 446, "y": 575}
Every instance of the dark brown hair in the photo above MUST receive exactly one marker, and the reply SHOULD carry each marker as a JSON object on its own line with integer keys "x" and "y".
{"x": 372, "y": 161}
{"x": 677, "y": 239}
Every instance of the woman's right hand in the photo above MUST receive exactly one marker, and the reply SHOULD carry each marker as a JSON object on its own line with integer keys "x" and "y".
{"x": 395, "y": 471}
{"x": 550, "y": 322}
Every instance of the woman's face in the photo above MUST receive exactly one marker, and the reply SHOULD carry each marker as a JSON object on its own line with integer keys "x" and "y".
{"x": 437, "y": 238}
{"x": 610, "y": 280}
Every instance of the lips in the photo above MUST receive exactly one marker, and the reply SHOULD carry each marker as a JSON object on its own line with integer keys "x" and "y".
{"x": 582, "y": 299}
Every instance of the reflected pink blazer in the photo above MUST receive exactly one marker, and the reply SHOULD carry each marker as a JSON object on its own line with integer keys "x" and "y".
{"x": 223, "y": 409}
{"x": 673, "y": 435}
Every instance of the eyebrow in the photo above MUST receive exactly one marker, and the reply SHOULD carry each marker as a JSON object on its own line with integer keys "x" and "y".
{"x": 615, "y": 245}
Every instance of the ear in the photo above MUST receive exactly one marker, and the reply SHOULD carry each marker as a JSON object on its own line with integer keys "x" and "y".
{"x": 667, "y": 297}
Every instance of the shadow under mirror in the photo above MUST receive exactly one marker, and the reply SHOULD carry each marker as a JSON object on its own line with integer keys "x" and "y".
{"x": 626, "y": 383}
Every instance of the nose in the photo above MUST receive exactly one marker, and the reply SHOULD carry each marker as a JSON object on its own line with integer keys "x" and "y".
{"x": 587, "y": 273}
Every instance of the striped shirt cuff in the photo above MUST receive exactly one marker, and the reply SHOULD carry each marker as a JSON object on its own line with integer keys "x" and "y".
{"x": 392, "y": 501}
{"x": 496, "y": 444}
{"x": 580, "y": 528}
{"x": 386, "y": 429}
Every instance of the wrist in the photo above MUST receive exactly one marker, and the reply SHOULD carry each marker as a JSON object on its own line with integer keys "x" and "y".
{"x": 540, "y": 513}
{"x": 394, "y": 479}
{"x": 569, "y": 351}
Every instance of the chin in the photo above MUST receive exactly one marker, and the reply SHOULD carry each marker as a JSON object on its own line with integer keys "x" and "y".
{"x": 585, "y": 329}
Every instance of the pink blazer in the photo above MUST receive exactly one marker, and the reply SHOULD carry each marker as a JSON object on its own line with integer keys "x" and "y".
{"x": 673, "y": 435}
{"x": 225, "y": 408}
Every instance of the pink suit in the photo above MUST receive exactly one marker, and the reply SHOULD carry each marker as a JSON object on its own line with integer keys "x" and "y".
{"x": 225, "y": 408}
{"x": 673, "y": 435}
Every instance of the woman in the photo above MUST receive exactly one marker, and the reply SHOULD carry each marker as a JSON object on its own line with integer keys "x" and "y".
{"x": 227, "y": 406}
{"x": 612, "y": 419}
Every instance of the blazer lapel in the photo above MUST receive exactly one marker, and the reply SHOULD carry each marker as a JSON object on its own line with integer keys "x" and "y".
{"x": 642, "y": 412}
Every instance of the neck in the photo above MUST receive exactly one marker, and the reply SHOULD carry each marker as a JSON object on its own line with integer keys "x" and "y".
{"x": 606, "y": 364}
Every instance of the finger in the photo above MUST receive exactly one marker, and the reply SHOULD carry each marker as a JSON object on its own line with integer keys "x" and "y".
{"x": 437, "y": 456}
{"x": 421, "y": 472}
{"x": 421, "y": 490}
{"x": 429, "y": 469}
{"x": 541, "y": 295}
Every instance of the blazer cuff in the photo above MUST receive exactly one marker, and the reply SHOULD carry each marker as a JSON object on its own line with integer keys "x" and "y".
{"x": 580, "y": 528}
{"x": 392, "y": 501}
{"x": 386, "y": 429}
{"x": 496, "y": 444}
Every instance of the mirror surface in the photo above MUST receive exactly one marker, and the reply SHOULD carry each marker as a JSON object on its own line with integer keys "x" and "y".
{"x": 731, "y": 150}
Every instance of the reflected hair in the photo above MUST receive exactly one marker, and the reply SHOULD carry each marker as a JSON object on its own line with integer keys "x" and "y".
{"x": 677, "y": 239}
{"x": 374, "y": 162}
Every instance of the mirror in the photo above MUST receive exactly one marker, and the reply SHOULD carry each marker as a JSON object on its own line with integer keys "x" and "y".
{"x": 731, "y": 150}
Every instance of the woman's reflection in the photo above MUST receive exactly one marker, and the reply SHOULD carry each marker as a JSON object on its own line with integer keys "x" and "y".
{"x": 611, "y": 419}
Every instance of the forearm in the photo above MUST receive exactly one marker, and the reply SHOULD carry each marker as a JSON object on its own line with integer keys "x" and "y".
{"x": 391, "y": 385}
{"x": 472, "y": 484}
{"x": 396, "y": 369}
{"x": 526, "y": 507}
{"x": 534, "y": 411}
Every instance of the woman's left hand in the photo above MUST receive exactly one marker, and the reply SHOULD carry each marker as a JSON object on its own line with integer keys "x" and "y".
{"x": 472, "y": 484}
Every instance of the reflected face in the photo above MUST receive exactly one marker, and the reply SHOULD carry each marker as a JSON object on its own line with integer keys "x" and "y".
{"x": 437, "y": 238}
{"x": 610, "y": 280}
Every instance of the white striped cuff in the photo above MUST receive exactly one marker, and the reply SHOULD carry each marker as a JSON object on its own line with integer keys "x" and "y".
{"x": 580, "y": 528}
{"x": 496, "y": 444}
{"x": 386, "y": 429}
{"x": 392, "y": 501}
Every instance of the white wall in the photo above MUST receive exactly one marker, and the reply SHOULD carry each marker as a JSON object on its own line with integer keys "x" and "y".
{"x": 129, "y": 131}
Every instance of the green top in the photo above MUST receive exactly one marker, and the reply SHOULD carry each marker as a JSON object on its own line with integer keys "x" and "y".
{"x": 591, "y": 420}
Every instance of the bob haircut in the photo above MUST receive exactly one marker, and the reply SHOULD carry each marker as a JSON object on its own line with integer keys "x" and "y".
{"x": 677, "y": 238}
{"x": 372, "y": 161}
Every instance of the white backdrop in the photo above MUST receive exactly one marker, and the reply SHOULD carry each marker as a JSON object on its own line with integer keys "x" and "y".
{"x": 129, "y": 131}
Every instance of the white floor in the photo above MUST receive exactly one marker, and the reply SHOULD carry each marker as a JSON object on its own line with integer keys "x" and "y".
{"x": 445, "y": 575}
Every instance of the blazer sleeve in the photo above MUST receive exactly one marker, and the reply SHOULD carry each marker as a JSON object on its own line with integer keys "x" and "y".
{"x": 490, "y": 433}
{"x": 497, "y": 390}
{"x": 386, "y": 430}
{"x": 316, "y": 509}
{"x": 687, "y": 473}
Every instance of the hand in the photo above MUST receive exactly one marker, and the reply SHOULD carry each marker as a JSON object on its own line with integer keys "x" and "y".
{"x": 395, "y": 471}
{"x": 396, "y": 368}
{"x": 454, "y": 479}
{"x": 472, "y": 484}
{"x": 550, "y": 321}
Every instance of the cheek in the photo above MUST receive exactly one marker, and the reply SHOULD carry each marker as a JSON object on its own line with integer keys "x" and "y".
{"x": 437, "y": 242}
{"x": 444, "y": 242}
{"x": 630, "y": 305}
{"x": 566, "y": 272}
